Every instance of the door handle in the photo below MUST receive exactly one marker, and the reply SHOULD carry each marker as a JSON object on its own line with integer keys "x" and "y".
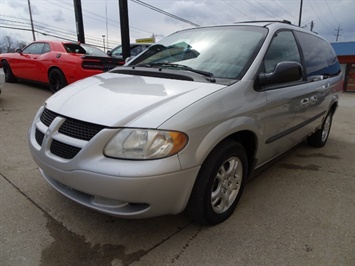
{"x": 326, "y": 85}
{"x": 314, "y": 99}
{"x": 304, "y": 103}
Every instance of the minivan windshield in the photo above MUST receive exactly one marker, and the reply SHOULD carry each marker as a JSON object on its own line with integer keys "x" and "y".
{"x": 224, "y": 51}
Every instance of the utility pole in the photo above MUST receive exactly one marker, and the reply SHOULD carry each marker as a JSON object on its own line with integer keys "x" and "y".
{"x": 300, "y": 16}
{"x": 106, "y": 26}
{"x": 126, "y": 51}
{"x": 79, "y": 21}
{"x": 338, "y": 32}
{"x": 312, "y": 25}
{"x": 33, "y": 29}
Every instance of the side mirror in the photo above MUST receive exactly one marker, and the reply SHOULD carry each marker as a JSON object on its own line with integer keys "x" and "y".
{"x": 18, "y": 50}
{"x": 284, "y": 72}
{"x": 109, "y": 52}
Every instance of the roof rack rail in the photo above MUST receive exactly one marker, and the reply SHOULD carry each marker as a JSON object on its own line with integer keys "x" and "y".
{"x": 255, "y": 21}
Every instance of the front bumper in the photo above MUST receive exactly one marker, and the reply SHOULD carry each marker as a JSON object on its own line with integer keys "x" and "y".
{"x": 123, "y": 188}
{"x": 130, "y": 197}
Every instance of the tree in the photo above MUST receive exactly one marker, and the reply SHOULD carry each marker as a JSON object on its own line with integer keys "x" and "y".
{"x": 9, "y": 44}
{"x": 21, "y": 44}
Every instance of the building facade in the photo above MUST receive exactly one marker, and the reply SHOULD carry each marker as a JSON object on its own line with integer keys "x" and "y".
{"x": 346, "y": 56}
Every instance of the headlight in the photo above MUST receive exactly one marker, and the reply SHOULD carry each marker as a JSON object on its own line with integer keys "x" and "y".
{"x": 145, "y": 144}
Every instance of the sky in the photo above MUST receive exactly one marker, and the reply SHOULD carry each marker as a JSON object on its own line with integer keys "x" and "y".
{"x": 55, "y": 19}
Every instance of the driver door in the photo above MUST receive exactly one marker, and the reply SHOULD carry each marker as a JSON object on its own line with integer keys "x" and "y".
{"x": 27, "y": 64}
{"x": 288, "y": 105}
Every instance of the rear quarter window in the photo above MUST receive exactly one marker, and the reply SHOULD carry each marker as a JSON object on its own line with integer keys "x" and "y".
{"x": 74, "y": 48}
{"x": 320, "y": 58}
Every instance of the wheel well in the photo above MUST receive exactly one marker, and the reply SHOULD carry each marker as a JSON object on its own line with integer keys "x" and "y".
{"x": 249, "y": 141}
{"x": 53, "y": 67}
{"x": 2, "y": 62}
{"x": 334, "y": 107}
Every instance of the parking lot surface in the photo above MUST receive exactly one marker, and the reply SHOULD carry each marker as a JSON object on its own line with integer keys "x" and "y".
{"x": 299, "y": 211}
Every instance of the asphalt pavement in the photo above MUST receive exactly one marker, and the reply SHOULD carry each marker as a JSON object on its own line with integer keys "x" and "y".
{"x": 299, "y": 211}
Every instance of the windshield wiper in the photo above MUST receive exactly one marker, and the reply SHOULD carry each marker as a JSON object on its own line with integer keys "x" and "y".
{"x": 208, "y": 75}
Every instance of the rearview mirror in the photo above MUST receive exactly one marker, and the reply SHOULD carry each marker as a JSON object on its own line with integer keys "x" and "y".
{"x": 284, "y": 72}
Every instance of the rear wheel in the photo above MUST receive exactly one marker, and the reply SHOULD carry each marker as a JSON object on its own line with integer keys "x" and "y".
{"x": 9, "y": 76}
{"x": 320, "y": 137}
{"x": 56, "y": 80}
{"x": 219, "y": 184}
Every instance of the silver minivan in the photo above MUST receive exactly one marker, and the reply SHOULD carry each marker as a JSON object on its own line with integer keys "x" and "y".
{"x": 182, "y": 126}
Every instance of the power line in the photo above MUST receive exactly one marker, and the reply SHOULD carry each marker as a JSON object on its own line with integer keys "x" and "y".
{"x": 43, "y": 33}
{"x": 284, "y": 9}
{"x": 269, "y": 10}
{"x": 43, "y": 27}
{"x": 336, "y": 21}
{"x": 257, "y": 7}
{"x": 323, "y": 15}
{"x": 48, "y": 30}
{"x": 320, "y": 19}
{"x": 237, "y": 9}
{"x": 164, "y": 12}
{"x": 95, "y": 16}
{"x": 224, "y": 11}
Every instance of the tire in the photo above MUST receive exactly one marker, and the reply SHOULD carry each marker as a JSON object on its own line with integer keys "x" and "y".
{"x": 9, "y": 76}
{"x": 56, "y": 80}
{"x": 219, "y": 184}
{"x": 319, "y": 138}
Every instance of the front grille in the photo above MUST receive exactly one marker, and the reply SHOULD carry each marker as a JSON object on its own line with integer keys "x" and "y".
{"x": 64, "y": 150}
{"x": 72, "y": 128}
{"x": 39, "y": 137}
{"x": 80, "y": 130}
{"x": 47, "y": 117}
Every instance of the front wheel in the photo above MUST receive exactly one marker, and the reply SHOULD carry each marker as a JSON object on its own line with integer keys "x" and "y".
{"x": 9, "y": 76}
{"x": 219, "y": 184}
{"x": 320, "y": 137}
{"x": 56, "y": 80}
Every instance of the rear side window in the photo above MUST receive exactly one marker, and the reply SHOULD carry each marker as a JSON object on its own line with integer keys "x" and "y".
{"x": 282, "y": 48}
{"x": 74, "y": 48}
{"x": 46, "y": 48}
{"x": 320, "y": 58}
{"x": 136, "y": 50}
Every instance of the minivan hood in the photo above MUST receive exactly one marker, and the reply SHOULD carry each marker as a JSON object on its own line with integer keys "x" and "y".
{"x": 118, "y": 100}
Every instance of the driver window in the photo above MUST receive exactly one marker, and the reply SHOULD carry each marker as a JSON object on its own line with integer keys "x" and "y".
{"x": 282, "y": 48}
{"x": 35, "y": 48}
{"x": 46, "y": 48}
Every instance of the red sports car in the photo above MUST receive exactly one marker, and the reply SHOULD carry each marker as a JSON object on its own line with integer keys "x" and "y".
{"x": 55, "y": 63}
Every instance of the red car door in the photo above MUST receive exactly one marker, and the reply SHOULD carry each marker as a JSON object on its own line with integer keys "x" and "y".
{"x": 26, "y": 65}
